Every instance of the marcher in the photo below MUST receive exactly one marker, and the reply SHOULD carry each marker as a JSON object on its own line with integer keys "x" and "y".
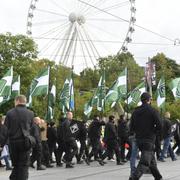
{"x": 69, "y": 139}
{"x": 145, "y": 123}
{"x": 19, "y": 120}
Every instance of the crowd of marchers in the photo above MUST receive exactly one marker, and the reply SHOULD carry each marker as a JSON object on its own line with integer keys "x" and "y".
{"x": 143, "y": 138}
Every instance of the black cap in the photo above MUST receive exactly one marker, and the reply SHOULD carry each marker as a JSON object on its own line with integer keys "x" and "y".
{"x": 145, "y": 96}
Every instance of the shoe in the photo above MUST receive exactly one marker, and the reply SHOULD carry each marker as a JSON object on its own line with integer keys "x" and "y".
{"x": 124, "y": 160}
{"x": 119, "y": 163}
{"x": 42, "y": 167}
{"x": 175, "y": 159}
{"x": 162, "y": 160}
{"x": 31, "y": 165}
{"x": 49, "y": 166}
{"x": 52, "y": 161}
{"x": 87, "y": 161}
{"x": 59, "y": 164}
{"x": 9, "y": 168}
{"x": 101, "y": 162}
{"x": 130, "y": 178}
{"x": 69, "y": 166}
{"x": 80, "y": 162}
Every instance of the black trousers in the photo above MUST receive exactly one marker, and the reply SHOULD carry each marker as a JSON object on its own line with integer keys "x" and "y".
{"x": 83, "y": 149}
{"x": 71, "y": 149}
{"x": 112, "y": 146}
{"x": 37, "y": 154}
{"x": 96, "y": 148}
{"x": 20, "y": 160}
{"x": 147, "y": 160}
{"x": 45, "y": 153}
{"x": 60, "y": 150}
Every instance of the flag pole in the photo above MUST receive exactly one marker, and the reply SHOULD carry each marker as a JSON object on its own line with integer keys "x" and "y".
{"x": 48, "y": 95}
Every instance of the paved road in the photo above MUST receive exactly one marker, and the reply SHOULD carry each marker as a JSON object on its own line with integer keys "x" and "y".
{"x": 170, "y": 170}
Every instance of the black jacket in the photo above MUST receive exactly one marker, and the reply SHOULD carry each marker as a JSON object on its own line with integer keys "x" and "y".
{"x": 123, "y": 129}
{"x": 13, "y": 122}
{"x": 36, "y": 132}
{"x": 3, "y": 135}
{"x": 166, "y": 130}
{"x": 94, "y": 131}
{"x": 68, "y": 132}
{"x": 52, "y": 135}
{"x": 110, "y": 133}
{"x": 145, "y": 123}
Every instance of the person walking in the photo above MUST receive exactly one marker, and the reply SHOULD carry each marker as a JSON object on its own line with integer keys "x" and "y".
{"x": 145, "y": 123}
{"x": 19, "y": 120}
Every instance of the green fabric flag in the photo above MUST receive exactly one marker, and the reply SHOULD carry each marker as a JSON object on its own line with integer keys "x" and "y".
{"x": 15, "y": 87}
{"x": 39, "y": 85}
{"x": 118, "y": 90}
{"x": 5, "y": 86}
{"x": 51, "y": 103}
{"x": 134, "y": 96}
{"x": 175, "y": 88}
{"x": 161, "y": 93}
{"x": 67, "y": 96}
{"x": 98, "y": 98}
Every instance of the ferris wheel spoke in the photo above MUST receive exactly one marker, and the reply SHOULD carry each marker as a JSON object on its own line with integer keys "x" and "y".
{"x": 104, "y": 31}
{"x": 88, "y": 8}
{"x": 86, "y": 46}
{"x": 57, "y": 5}
{"x": 97, "y": 40}
{"x": 48, "y": 22}
{"x": 53, "y": 30}
{"x": 51, "y": 12}
{"x": 109, "y": 8}
{"x": 94, "y": 49}
{"x": 52, "y": 41}
{"x": 82, "y": 48}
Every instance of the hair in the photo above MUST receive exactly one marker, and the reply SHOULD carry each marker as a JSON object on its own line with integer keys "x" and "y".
{"x": 21, "y": 99}
{"x": 167, "y": 115}
{"x": 111, "y": 117}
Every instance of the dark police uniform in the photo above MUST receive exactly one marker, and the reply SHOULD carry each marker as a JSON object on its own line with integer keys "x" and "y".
{"x": 146, "y": 124}
{"x": 19, "y": 155}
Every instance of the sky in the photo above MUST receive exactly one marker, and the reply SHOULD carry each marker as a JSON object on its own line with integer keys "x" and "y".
{"x": 160, "y": 16}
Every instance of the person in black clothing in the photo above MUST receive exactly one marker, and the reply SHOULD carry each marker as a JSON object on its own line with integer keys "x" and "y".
{"x": 60, "y": 142}
{"x": 69, "y": 130}
{"x": 52, "y": 139}
{"x": 123, "y": 134}
{"x": 82, "y": 136}
{"x": 145, "y": 123}
{"x": 177, "y": 137}
{"x": 17, "y": 120}
{"x": 3, "y": 133}
{"x": 111, "y": 140}
{"x": 94, "y": 134}
{"x": 37, "y": 150}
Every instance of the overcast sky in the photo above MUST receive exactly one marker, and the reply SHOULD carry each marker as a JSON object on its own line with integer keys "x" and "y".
{"x": 160, "y": 16}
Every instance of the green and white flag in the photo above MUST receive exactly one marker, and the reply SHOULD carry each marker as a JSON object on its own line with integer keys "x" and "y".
{"x": 134, "y": 96}
{"x": 175, "y": 88}
{"x": 88, "y": 107}
{"x": 161, "y": 93}
{"x": 5, "y": 86}
{"x": 15, "y": 87}
{"x": 51, "y": 103}
{"x": 67, "y": 96}
{"x": 118, "y": 90}
{"x": 39, "y": 85}
{"x": 98, "y": 98}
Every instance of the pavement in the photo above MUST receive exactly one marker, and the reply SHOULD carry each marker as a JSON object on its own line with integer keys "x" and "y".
{"x": 110, "y": 171}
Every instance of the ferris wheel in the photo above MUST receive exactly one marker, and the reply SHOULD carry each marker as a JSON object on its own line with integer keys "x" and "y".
{"x": 79, "y": 32}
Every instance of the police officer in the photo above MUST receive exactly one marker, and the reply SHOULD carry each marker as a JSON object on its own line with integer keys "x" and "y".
{"x": 145, "y": 123}
{"x": 17, "y": 120}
